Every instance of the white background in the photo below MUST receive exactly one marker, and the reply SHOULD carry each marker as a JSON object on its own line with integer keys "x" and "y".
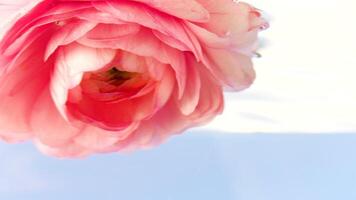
{"x": 306, "y": 78}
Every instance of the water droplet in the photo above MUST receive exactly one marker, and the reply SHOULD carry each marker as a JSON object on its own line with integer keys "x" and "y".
{"x": 59, "y": 23}
{"x": 264, "y": 26}
{"x": 257, "y": 55}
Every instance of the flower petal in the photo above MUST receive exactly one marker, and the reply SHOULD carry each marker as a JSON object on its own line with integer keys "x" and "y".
{"x": 20, "y": 87}
{"x": 68, "y": 34}
{"x": 145, "y": 44}
{"x": 190, "y": 98}
{"x": 233, "y": 69}
{"x": 49, "y": 126}
{"x": 185, "y": 9}
{"x": 72, "y": 61}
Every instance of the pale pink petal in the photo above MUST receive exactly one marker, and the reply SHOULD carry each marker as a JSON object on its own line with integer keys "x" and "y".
{"x": 48, "y": 125}
{"x": 11, "y": 10}
{"x": 97, "y": 16}
{"x": 236, "y": 22}
{"x": 208, "y": 38}
{"x": 190, "y": 98}
{"x": 145, "y": 16}
{"x": 164, "y": 89}
{"x": 211, "y": 101}
{"x": 171, "y": 41}
{"x": 112, "y": 31}
{"x": 185, "y": 9}
{"x": 233, "y": 69}
{"x": 71, "y": 150}
{"x": 23, "y": 17}
{"x": 67, "y": 34}
{"x": 227, "y": 16}
{"x": 98, "y": 139}
{"x": 72, "y": 61}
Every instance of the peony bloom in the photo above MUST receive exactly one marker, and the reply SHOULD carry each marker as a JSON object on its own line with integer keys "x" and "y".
{"x": 95, "y": 76}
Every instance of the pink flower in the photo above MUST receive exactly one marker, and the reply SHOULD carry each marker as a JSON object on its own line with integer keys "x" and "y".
{"x": 90, "y": 76}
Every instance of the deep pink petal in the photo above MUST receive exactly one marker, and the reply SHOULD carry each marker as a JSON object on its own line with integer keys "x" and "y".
{"x": 20, "y": 87}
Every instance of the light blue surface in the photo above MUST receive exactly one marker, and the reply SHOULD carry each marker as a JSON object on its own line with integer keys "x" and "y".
{"x": 197, "y": 166}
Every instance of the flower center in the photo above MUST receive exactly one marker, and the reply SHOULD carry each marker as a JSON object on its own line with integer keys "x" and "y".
{"x": 112, "y": 84}
{"x": 113, "y": 76}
